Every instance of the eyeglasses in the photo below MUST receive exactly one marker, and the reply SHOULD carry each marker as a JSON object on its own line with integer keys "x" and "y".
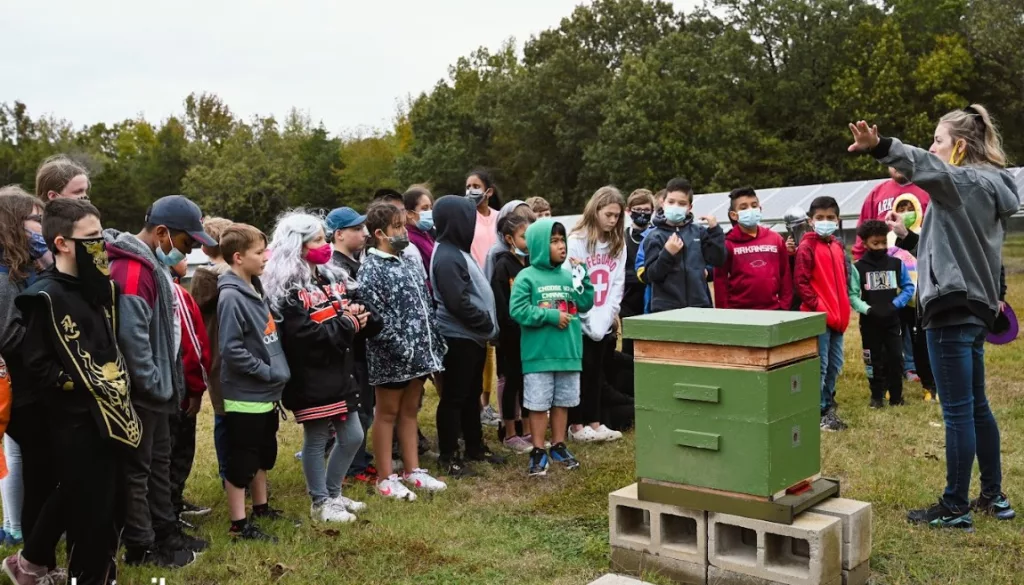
{"x": 35, "y": 217}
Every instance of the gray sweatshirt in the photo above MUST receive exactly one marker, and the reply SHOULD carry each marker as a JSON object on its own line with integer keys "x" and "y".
{"x": 253, "y": 364}
{"x": 147, "y": 324}
{"x": 960, "y": 252}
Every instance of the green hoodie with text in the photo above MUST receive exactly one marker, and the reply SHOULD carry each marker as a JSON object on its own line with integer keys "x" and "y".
{"x": 540, "y": 294}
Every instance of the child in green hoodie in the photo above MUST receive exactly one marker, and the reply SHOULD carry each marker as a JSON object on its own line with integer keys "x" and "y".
{"x": 546, "y": 301}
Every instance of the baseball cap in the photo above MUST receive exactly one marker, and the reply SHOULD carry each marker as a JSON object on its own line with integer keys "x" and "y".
{"x": 344, "y": 217}
{"x": 179, "y": 213}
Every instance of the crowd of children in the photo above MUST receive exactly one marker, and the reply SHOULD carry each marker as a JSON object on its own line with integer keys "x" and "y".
{"x": 343, "y": 320}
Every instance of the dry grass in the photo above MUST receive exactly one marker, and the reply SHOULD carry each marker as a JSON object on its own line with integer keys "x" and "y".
{"x": 506, "y": 528}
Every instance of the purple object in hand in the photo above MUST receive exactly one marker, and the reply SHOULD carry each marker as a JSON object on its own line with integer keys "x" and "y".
{"x": 1005, "y": 328}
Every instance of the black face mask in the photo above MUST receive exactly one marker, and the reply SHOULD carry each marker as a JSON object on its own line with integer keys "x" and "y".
{"x": 877, "y": 255}
{"x": 93, "y": 270}
{"x": 641, "y": 218}
{"x": 399, "y": 243}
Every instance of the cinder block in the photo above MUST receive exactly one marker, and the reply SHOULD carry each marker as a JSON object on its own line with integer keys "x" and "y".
{"x": 807, "y": 552}
{"x": 718, "y": 576}
{"x": 858, "y": 575}
{"x": 668, "y": 531}
{"x": 642, "y": 563}
{"x": 856, "y": 517}
{"x": 618, "y": 580}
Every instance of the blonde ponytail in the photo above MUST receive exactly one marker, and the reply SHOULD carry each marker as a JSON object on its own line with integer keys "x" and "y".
{"x": 974, "y": 125}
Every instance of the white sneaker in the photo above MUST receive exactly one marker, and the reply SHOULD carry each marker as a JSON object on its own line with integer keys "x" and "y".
{"x": 585, "y": 435}
{"x": 420, "y": 479}
{"x": 349, "y": 504}
{"x": 608, "y": 434}
{"x": 488, "y": 417}
{"x": 329, "y": 511}
{"x": 392, "y": 487}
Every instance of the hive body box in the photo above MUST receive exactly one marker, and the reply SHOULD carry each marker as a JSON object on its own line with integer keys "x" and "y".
{"x": 727, "y": 399}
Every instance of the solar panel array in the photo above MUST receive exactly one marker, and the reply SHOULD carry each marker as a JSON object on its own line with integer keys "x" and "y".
{"x": 775, "y": 202}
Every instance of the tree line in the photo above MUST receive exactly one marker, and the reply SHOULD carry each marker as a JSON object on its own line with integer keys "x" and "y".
{"x": 628, "y": 92}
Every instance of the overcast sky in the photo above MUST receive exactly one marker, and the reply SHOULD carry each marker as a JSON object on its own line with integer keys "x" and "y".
{"x": 345, "y": 62}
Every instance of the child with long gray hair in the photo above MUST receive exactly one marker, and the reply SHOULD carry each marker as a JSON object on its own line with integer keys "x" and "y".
{"x": 318, "y": 323}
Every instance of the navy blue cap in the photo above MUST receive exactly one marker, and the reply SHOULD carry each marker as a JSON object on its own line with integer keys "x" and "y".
{"x": 179, "y": 213}
{"x": 344, "y": 217}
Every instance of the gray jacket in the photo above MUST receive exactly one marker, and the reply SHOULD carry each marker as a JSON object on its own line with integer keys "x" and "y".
{"x": 960, "y": 252}
{"x": 147, "y": 323}
{"x": 253, "y": 364}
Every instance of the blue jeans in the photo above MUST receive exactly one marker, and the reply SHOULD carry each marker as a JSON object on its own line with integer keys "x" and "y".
{"x": 908, "y": 351}
{"x": 11, "y": 488}
{"x": 325, "y": 482}
{"x": 830, "y": 353}
{"x": 220, "y": 442}
{"x": 957, "y": 354}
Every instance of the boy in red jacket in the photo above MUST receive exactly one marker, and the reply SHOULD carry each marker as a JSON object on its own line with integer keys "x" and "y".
{"x": 882, "y": 200}
{"x": 756, "y": 270}
{"x": 195, "y": 357}
{"x": 821, "y": 281}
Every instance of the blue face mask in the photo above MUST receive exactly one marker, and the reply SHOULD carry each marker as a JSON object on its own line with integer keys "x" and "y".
{"x": 825, "y": 228}
{"x": 169, "y": 259}
{"x": 749, "y": 218}
{"x": 426, "y": 220}
{"x": 520, "y": 253}
{"x": 676, "y": 213}
{"x": 36, "y": 245}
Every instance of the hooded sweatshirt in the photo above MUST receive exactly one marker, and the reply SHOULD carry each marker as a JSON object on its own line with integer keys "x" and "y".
{"x": 499, "y": 245}
{"x": 607, "y": 275}
{"x": 821, "y": 279}
{"x": 880, "y": 286}
{"x": 678, "y": 281}
{"x": 960, "y": 252}
{"x": 540, "y": 294}
{"x": 882, "y": 200}
{"x": 205, "y": 292}
{"x": 254, "y": 368}
{"x": 149, "y": 330}
{"x": 465, "y": 303}
{"x": 756, "y": 272}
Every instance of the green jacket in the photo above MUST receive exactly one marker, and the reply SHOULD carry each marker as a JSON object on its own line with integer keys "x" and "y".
{"x": 540, "y": 294}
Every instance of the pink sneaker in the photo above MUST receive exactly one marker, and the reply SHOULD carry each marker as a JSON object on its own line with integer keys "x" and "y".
{"x": 518, "y": 444}
{"x": 22, "y": 572}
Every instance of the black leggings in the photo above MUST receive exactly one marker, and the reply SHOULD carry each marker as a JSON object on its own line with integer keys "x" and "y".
{"x": 596, "y": 355}
{"x": 459, "y": 408}
{"x": 511, "y": 369}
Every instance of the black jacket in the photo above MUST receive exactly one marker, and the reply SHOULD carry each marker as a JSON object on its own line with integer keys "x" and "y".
{"x": 506, "y": 267}
{"x": 679, "y": 281}
{"x": 318, "y": 338}
{"x": 465, "y": 303}
{"x": 633, "y": 297}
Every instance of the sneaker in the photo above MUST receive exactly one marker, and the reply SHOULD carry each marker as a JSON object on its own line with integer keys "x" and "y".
{"x": 252, "y": 532}
{"x": 913, "y": 377}
{"x": 518, "y": 445}
{"x": 939, "y": 516}
{"x": 899, "y": 402}
{"x": 586, "y": 434}
{"x": 330, "y": 511}
{"x": 487, "y": 456}
{"x": 349, "y": 504}
{"x": 488, "y": 417}
{"x": 561, "y": 454}
{"x": 21, "y": 572}
{"x": 831, "y": 422}
{"x": 299, "y": 455}
{"x": 996, "y": 506}
{"x": 364, "y": 477}
{"x": 185, "y": 524}
{"x": 159, "y": 557}
{"x": 275, "y": 514}
{"x": 538, "y": 463}
{"x": 391, "y": 487}
{"x": 875, "y": 403}
{"x": 57, "y": 576}
{"x": 931, "y": 395}
{"x": 455, "y": 468}
{"x": 608, "y": 433}
{"x": 13, "y": 539}
{"x": 177, "y": 539}
{"x": 420, "y": 479}
{"x": 190, "y": 509}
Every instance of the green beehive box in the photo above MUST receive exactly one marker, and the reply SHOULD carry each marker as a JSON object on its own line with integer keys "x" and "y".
{"x": 727, "y": 399}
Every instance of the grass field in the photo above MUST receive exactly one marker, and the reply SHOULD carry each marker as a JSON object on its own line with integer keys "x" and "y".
{"x": 507, "y": 528}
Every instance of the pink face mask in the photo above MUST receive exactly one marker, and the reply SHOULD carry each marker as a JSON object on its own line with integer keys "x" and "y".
{"x": 321, "y": 255}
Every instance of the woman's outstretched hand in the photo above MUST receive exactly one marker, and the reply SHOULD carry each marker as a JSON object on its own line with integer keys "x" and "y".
{"x": 864, "y": 138}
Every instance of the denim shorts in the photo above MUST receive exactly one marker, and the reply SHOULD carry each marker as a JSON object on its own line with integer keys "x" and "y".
{"x": 545, "y": 390}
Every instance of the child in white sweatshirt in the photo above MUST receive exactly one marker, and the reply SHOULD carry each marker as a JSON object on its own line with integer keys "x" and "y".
{"x": 599, "y": 241}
